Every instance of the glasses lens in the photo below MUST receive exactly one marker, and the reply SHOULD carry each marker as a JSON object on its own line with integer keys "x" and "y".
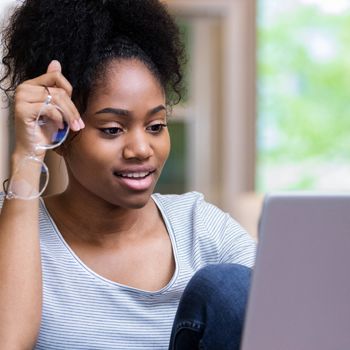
{"x": 50, "y": 130}
{"x": 25, "y": 183}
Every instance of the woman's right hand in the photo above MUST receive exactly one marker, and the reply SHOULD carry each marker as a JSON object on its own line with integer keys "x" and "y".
{"x": 29, "y": 99}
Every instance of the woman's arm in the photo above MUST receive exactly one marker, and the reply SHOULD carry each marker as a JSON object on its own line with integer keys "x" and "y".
{"x": 20, "y": 275}
{"x": 20, "y": 265}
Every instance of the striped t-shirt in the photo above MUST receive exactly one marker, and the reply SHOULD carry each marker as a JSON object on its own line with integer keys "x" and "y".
{"x": 83, "y": 310}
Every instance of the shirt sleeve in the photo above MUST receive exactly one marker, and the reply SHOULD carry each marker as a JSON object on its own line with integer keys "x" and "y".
{"x": 234, "y": 244}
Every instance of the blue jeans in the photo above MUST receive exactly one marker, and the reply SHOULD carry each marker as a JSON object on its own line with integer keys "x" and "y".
{"x": 211, "y": 312}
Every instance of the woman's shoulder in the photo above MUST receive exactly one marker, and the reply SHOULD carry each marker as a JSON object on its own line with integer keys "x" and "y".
{"x": 179, "y": 203}
{"x": 190, "y": 206}
{"x": 174, "y": 199}
{"x": 206, "y": 228}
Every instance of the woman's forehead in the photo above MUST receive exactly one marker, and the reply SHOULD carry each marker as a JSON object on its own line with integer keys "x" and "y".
{"x": 131, "y": 68}
{"x": 127, "y": 80}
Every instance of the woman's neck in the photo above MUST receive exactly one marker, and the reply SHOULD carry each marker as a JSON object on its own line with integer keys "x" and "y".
{"x": 87, "y": 219}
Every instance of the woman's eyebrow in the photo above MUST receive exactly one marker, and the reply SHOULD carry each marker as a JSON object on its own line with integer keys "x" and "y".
{"x": 116, "y": 111}
{"x": 156, "y": 110}
{"x": 126, "y": 113}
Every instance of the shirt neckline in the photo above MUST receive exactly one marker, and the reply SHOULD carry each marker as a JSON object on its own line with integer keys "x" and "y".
{"x": 108, "y": 281}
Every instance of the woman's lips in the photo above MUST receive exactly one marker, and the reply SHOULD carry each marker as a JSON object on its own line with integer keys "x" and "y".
{"x": 136, "y": 181}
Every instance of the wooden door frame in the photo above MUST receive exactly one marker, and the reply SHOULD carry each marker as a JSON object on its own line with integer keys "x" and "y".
{"x": 238, "y": 129}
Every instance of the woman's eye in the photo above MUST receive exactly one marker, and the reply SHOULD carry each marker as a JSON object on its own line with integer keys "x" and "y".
{"x": 156, "y": 128}
{"x": 112, "y": 131}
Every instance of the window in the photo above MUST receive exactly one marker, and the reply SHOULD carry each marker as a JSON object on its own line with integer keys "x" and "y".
{"x": 174, "y": 175}
{"x": 303, "y": 85}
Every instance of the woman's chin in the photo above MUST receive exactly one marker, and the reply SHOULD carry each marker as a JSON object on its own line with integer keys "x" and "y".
{"x": 132, "y": 201}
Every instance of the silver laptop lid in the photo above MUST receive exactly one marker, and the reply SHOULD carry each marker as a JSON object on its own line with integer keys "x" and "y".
{"x": 300, "y": 296}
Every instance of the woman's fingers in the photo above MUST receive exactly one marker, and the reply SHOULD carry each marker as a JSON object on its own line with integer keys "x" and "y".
{"x": 31, "y": 115}
{"x": 61, "y": 92}
{"x": 35, "y": 110}
{"x": 54, "y": 66}
{"x": 63, "y": 101}
{"x": 32, "y": 94}
{"x": 54, "y": 78}
{"x": 30, "y": 98}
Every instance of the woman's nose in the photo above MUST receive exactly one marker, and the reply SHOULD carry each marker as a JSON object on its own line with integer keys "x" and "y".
{"x": 137, "y": 146}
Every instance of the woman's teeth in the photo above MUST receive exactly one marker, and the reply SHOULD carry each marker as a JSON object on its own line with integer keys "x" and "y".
{"x": 135, "y": 175}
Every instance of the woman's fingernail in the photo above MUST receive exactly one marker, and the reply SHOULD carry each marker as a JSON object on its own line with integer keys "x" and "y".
{"x": 81, "y": 123}
{"x": 75, "y": 125}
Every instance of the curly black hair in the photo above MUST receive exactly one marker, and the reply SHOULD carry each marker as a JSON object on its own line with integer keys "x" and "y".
{"x": 83, "y": 35}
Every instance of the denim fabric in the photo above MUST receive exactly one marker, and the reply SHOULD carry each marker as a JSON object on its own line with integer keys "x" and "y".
{"x": 211, "y": 312}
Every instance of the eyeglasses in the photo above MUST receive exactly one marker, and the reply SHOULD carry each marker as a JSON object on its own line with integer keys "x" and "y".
{"x": 31, "y": 176}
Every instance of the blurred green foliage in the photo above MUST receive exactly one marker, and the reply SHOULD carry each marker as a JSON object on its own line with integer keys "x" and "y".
{"x": 303, "y": 88}
{"x": 174, "y": 175}
{"x": 173, "y": 178}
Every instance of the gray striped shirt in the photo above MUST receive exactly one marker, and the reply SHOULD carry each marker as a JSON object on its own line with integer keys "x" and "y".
{"x": 83, "y": 310}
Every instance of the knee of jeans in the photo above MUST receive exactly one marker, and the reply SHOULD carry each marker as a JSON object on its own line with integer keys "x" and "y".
{"x": 223, "y": 277}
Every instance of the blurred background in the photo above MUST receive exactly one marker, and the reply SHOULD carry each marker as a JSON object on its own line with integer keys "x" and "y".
{"x": 266, "y": 107}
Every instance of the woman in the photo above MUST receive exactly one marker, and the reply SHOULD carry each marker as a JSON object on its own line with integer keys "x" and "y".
{"x": 104, "y": 264}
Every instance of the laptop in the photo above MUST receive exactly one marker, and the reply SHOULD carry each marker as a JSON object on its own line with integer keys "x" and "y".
{"x": 300, "y": 293}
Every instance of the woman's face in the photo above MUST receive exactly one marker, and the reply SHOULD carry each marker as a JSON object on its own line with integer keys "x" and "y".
{"x": 120, "y": 153}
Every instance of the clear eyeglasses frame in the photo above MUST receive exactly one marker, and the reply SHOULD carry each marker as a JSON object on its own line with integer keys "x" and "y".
{"x": 31, "y": 175}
